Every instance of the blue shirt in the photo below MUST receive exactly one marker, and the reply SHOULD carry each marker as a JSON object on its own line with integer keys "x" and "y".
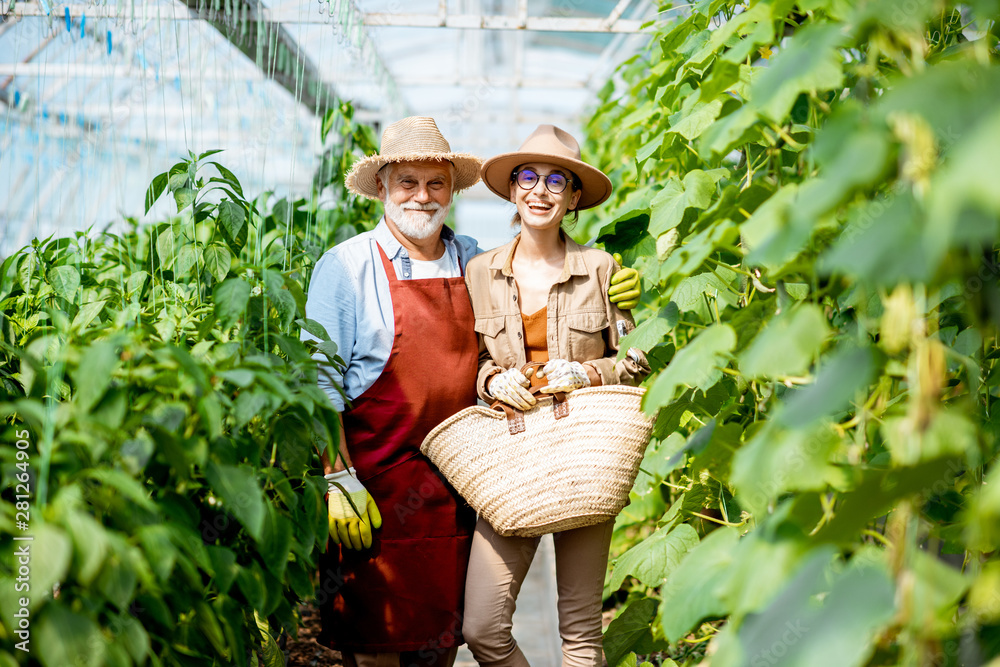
{"x": 349, "y": 296}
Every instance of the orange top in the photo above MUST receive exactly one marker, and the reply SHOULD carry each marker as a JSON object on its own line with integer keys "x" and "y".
{"x": 536, "y": 347}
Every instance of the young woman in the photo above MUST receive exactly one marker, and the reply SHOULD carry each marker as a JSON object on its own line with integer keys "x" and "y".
{"x": 543, "y": 298}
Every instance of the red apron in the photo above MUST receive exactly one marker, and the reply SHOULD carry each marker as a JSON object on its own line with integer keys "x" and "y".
{"x": 406, "y": 592}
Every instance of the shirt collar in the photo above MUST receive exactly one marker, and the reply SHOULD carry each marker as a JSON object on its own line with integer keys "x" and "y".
{"x": 391, "y": 245}
{"x": 574, "y": 265}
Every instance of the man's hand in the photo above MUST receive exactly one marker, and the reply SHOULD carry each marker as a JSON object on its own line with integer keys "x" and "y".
{"x": 511, "y": 387}
{"x": 564, "y": 376}
{"x": 347, "y": 527}
{"x": 626, "y": 288}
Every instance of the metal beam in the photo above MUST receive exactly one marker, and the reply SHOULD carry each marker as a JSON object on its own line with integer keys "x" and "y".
{"x": 520, "y": 22}
{"x": 261, "y": 39}
{"x": 294, "y": 16}
{"x": 81, "y": 70}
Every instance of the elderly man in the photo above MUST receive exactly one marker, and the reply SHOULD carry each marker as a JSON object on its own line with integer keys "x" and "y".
{"x": 395, "y": 302}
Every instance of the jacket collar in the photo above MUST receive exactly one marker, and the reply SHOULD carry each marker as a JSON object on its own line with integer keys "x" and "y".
{"x": 391, "y": 245}
{"x": 574, "y": 265}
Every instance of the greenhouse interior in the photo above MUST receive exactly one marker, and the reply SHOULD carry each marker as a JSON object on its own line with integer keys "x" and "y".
{"x": 705, "y": 374}
{"x": 108, "y": 93}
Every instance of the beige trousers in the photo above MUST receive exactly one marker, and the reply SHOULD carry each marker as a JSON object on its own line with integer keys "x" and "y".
{"x": 406, "y": 659}
{"x": 497, "y": 568}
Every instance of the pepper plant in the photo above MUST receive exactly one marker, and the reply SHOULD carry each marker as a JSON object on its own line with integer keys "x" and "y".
{"x": 810, "y": 192}
{"x": 174, "y": 422}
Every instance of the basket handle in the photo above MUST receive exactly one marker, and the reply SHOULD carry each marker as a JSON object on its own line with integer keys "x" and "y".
{"x": 515, "y": 417}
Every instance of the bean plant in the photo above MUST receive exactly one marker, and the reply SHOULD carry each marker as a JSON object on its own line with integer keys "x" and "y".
{"x": 810, "y": 192}
{"x": 174, "y": 422}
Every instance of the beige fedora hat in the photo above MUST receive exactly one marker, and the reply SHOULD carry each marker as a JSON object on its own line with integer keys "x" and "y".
{"x": 549, "y": 144}
{"x": 412, "y": 139}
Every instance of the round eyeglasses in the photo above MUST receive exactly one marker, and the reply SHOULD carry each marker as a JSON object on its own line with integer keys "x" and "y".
{"x": 526, "y": 179}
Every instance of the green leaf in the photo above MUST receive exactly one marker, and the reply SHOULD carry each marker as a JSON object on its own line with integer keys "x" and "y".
{"x": 241, "y": 377}
{"x": 776, "y": 461}
{"x": 232, "y": 224}
{"x": 937, "y": 588}
{"x": 188, "y": 258}
{"x": 695, "y": 191}
{"x": 128, "y": 487}
{"x": 879, "y": 488}
{"x": 166, "y": 247}
{"x": 810, "y": 62}
{"x": 690, "y": 125}
{"x": 652, "y": 560}
{"x": 240, "y": 493}
{"x": 229, "y": 177}
{"x": 218, "y": 261}
{"x": 64, "y": 637}
{"x": 787, "y": 345}
{"x": 882, "y": 244}
{"x": 90, "y": 546}
{"x": 92, "y": 377}
{"x": 231, "y": 298}
{"x": 249, "y": 404}
{"x": 821, "y": 625}
{"x": 26, "y": 270}
{"x": 314, "y": 328}
{"x": 950, "y": 433}
{"x": 964, "y": 182}
{"x": 652, "y": 331}
{"x": 624, "y": 631}
{"x": 697, "y": 364}
{"x": 840, "y": 377}
{"x": 135, "y": 283}
{"x": 159, "y": 550}
{"x": 87, "y": 313}
{"x": 65, "y": 281}
{"x": 696, "y": 588}
{"x": 184, "y": 197}
{"x": 156, "y": 188}
{"x": 283, "y": 302}
{"x": 51, "y": 552}
{"x": 271, "y": 652}
{"x": 276, "y": 542}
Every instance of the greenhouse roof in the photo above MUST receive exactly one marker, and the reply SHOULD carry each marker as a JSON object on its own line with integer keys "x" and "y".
{"x": 97, "y": 98}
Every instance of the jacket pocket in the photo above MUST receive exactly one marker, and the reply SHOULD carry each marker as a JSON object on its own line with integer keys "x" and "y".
{"x": 491, "y": 327}
{"x": 494, "y": 333}
{"x": 586, "y": 335}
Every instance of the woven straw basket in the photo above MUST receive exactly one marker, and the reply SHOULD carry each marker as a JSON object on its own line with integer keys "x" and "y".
{"x": 533, "y": 473}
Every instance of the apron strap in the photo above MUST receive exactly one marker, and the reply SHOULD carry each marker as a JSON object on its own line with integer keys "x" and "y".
{"x": 390, "y": 272}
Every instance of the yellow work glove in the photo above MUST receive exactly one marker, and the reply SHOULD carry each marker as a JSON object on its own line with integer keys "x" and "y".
{"x": 511, "y": 387}
{"x": 347, "y": 528}
{"x": 564, "y": 376}
{"x": 626, "y": 288}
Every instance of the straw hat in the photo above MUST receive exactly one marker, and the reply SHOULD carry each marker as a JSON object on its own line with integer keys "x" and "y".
{"x": 549, "y": 144}
{"x": 413, "y": 139}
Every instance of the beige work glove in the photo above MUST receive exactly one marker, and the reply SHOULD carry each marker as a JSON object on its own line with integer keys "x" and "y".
{"x": 347, "y": 527}
{"x": 511, "y": 387}
{"x": 564, "y": 376}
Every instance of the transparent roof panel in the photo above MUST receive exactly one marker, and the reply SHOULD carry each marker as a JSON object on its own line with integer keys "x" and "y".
{"x": 97, "y": 98}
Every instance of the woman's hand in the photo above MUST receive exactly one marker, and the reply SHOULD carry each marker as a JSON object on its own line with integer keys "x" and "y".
{"x": 564, "y": 376}
{"x": 511, "y": 387}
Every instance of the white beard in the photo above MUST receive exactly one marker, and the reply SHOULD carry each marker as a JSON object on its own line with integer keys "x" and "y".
{"x": 416, "y": 226}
